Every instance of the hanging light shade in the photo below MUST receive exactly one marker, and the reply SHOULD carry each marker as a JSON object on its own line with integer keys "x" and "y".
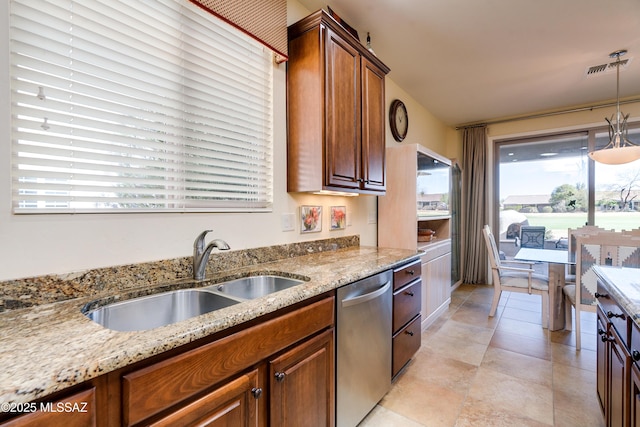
{"x": 619, "y": 150}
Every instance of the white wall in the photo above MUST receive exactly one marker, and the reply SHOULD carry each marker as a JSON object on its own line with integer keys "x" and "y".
{"x": 32, "y": 245}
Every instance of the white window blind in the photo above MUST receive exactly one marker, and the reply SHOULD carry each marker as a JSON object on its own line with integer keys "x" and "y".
{"x": 125, "y": 106}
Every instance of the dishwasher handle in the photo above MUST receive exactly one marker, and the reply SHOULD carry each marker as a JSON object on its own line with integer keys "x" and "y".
{"x": 348, "y": 302}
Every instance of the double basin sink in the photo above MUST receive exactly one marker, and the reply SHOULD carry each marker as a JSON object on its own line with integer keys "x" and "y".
{"x": 152, "y": 311}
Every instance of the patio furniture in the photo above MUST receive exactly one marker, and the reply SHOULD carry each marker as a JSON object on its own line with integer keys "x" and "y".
{"x": 531, "y": 236}
{"x": 514, "y": 279}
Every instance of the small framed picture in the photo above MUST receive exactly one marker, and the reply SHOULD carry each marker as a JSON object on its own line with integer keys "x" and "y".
{"x": 310, "y": 219}
{"x": 338, "y": 217}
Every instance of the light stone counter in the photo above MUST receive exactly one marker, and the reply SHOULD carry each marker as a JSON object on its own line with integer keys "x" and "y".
{"x": 51, "y": 346}
{"x": 624, "y": 286}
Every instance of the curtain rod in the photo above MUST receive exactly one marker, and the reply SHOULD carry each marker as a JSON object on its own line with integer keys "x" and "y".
{"x": 553, "y": 113}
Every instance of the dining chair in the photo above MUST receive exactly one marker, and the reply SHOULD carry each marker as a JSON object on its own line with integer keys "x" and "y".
{"x": 532, "y": 236}
{"x": 596, "y": 247}
{"x": 570, "y": 274}
{"x": 519, "y": 278}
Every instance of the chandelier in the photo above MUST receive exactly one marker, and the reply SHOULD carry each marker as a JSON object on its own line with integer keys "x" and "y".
{"x": 619, "y": 150}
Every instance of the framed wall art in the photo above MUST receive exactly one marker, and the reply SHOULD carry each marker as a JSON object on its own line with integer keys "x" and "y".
{"x": 338, "y": 217}
{"x": 310, "y": 219}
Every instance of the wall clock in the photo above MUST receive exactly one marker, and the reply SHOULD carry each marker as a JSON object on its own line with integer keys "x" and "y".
{"x": 398, "y": 120}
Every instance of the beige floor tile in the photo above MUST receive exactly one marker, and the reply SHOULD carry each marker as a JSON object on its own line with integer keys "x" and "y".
{"x": 525, "y": 329}
{"x": 443, "y": 371}
{"x": 382, "y": 417}
{"x": 567, "y": 355}
{"x": 575, "y": 396}
{"x": 522, "y": 315}
{"x": 465, "y": 332}
{"x": 519, "y": 365}
{"x": 424, "y": 402}
{"x": 456, "y": 349}
{"x": 524, "y": 398}
{"x": 477, "y": 314}
{"x": 521, "y": 344}
{"x": 476, "y": 413}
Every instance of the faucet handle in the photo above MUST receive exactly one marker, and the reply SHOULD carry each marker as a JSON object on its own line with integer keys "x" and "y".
{"x": 198, "y": 244}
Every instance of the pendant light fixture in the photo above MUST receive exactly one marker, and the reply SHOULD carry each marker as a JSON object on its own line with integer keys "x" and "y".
{"x": 619, "y": 150}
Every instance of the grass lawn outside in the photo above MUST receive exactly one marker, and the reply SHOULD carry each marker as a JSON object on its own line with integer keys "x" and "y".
{"x": 558, "y": 223}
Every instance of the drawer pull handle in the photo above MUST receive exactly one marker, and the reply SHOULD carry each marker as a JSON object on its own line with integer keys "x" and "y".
{"x": 611, "y": 314}
{"x": 606, "y": 338}
{"x": 600, "y": 331}
{"x": 256, "y": 392}
{"x": 411, "y": 272}
{"x": 636, "y": 355}
{"x": 409, "y": 293}
{"x": 409, "y": 333}
{"x": 599, "y": 295}
{"x": 279, "y": 376}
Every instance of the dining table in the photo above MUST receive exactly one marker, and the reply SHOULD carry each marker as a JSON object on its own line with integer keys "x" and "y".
{"x": 557, "y": 259}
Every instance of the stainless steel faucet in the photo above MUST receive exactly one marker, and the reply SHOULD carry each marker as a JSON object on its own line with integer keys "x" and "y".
{"x": 201, "y": 254}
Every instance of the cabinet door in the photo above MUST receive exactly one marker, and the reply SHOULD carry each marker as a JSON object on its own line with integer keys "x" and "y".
{"x": 601, "y": 356}
{"x": 78, "y": 410}
{"x": 619, "y": 367}
{"x": 635, "y": 396}
{"x": 436, "y": 284}
{"x": 234, "y": 404}
{"x": 342, "y": 114}
{"x": 302, "y": 384}
{"x": 373, "y": 127}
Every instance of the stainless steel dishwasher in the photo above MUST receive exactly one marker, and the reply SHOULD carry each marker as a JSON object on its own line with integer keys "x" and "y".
{"x": 363, "y": 347}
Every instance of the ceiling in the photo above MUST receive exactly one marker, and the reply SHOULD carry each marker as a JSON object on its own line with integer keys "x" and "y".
{"x": 469, "y": 61}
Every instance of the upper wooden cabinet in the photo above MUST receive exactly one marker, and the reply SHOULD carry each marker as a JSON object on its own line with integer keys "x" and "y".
{"x": 335, "y": 110}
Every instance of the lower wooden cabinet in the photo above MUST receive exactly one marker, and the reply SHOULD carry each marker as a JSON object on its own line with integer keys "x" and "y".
{"x": 634, "y": 410}
{"x": 301, "y": 384}
{"x": 76, "y": 410}
{"x": 614, "y": 363}
{"x": 233, "y": 404}
{"x": 407, "y": 297}
{"x": 225, "y": 382}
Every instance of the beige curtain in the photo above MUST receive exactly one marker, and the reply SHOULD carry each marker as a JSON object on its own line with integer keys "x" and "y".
{"x": 474, "y": 203}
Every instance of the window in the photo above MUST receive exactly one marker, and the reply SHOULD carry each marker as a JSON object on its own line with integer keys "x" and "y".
{"x": 137, "y": 106}
{"x": 549, "y": 181}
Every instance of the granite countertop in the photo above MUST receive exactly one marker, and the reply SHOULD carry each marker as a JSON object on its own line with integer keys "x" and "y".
{"x": 49, "y": 347}
{"x": 623, "y": 284}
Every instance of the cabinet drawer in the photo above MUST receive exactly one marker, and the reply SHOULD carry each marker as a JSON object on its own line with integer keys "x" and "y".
{"x": 406, "y": 274}
{"x": 406, "y": 303}
{"x": 405, "y": 344}
{"x": 155, "y": 388}
{"x": 614, "y": 313}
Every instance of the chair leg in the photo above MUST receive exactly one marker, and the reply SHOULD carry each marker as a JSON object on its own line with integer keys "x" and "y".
{"x": 545, "y": 310}
{"x": 577, "y": 332}
{"x": 567, "y": 313}
{"x": 494, "y": 304}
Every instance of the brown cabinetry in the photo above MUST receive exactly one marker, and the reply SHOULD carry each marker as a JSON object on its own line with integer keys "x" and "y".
{"x": 223, "y": 382}
{"x": 301, "y": 388}
{"x": 222, "y": 375}
{"x": 335, "y": 110}
{"x": 76, "y": 410}
{"x": 407, "y": 297}
{"x": 614, "y": 360}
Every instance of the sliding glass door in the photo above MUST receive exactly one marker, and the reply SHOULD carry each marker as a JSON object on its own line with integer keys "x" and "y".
{"x": 617, "y": 190}
{"x": 541, "y": 182}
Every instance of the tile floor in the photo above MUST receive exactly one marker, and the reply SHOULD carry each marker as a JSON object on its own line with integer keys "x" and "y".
{"x": 476, "y": 371}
